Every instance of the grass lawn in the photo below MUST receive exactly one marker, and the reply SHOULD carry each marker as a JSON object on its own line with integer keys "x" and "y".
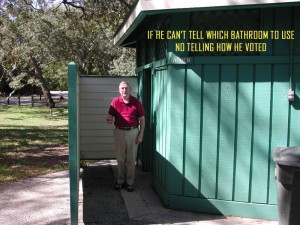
{"x": 32, "y": 142}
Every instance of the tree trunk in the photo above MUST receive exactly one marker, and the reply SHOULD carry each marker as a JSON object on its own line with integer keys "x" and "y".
{"x": 45, "y": 89}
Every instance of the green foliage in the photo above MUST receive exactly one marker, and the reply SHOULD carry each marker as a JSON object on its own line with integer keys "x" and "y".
{"x": 124, "y": 65}
{"x": 56, "y": 35}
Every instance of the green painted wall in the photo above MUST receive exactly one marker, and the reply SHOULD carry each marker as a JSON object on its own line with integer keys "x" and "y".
{"x": 216, "y": 120}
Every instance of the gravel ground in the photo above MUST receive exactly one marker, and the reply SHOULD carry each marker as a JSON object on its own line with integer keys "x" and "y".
{"x": 102, "y": 204}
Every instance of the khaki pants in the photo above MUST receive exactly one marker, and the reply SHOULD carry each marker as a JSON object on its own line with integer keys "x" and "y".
{"x": 126, "y": 151}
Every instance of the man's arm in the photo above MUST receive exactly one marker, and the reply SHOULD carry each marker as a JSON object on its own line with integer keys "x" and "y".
{"x": 109, "y": 119}
{"x": 140, "y": 135}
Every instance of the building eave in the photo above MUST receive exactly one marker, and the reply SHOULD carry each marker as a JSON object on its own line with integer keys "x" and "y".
{"x": 145, "y": 8}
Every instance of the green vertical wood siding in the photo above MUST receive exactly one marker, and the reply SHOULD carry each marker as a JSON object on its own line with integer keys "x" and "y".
{"x": 225, "y": 121}
{"x": 294, "y": 131}
{"x": 177, "y": 115}
{"x": 74, "y": 156}
{"x": 217, "y": 120}
{"x": 261, "y": 133}
{"x": 210, "y": 131}
{"x": 226, "y": 153}
{"x": 193, "y": 130}
{"x": 280, "y": 123}
{"x": 243, "y": 133}
{"x": 160, "y": 122}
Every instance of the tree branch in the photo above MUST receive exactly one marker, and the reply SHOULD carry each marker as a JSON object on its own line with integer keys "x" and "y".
{"x": 73, "y": 4}
{"x": 30, "y": 4}
{"x": 126, "y": 4}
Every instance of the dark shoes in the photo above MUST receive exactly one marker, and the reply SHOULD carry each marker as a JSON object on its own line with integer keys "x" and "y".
{"x": 130, "y": 188}
{"x": 118, "y": 186}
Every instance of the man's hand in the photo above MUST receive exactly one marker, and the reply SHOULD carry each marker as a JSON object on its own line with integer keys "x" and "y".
{"x": 109, "y": 119}
{"x": 139, "y": 137}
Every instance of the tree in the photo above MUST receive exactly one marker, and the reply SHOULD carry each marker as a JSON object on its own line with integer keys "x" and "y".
{"x": 21, "y": 42}
{"x": 123, "y": 65}
{"x": 39, "y": 38}
{"x": 93, "y": 45}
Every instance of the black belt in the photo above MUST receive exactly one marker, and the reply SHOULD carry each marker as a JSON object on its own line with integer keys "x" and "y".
{"x": 126, "y": 128}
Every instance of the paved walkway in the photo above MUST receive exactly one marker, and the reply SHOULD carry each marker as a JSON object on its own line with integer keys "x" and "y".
{"x": 144, "y": 205}
{"x": 45, "y": 200}
{"x": 27, "y": 100}
{"x": 39, "y": 201}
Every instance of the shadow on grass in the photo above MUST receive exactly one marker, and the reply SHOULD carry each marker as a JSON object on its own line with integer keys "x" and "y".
{"x": 31, "y": 151}
{"x": 32, "y": 137}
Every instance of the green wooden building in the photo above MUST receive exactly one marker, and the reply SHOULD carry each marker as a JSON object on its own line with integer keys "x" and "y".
{"x": 215, "y": 115}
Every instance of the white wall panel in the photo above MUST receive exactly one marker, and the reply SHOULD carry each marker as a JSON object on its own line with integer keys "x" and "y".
{"x": 96, "y": 93}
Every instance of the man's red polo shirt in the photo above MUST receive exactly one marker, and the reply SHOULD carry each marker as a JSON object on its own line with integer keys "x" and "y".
{"x": 126, "y": 114}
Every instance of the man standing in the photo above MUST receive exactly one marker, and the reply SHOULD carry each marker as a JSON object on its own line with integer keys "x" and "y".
{"x": 128, "y": 115}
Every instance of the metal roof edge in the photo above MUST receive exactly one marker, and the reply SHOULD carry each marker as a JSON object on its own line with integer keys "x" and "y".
{"x": 148, "y": 7}
{"x": 127, "y": 27}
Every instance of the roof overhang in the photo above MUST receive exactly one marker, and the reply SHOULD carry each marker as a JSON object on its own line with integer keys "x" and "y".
{"x": 145, "y": 8}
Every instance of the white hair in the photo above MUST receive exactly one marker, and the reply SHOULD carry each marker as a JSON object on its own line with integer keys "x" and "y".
{"x": 125, "y": 82}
